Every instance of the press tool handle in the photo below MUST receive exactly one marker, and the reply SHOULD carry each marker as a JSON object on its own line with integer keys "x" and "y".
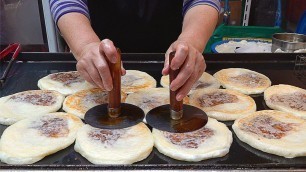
{"x": 176, "y": 106}
{"x": 114, "y": 96}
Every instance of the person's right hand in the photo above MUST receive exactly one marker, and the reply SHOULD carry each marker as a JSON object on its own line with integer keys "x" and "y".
{"x": 92, "y": 63}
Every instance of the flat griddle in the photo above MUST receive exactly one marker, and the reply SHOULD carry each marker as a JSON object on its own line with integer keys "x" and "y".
{"x": 30, "y": 67}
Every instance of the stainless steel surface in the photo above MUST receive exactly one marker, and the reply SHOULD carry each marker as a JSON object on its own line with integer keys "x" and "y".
{"x": 288, "y": 42}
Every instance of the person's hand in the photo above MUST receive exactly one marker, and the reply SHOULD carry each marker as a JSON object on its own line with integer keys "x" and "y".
{"x": 191, "y": 64}
{"x": 92, "y": 63}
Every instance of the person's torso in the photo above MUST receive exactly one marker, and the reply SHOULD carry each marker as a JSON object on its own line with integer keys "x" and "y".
{"x": 137, "y": 25}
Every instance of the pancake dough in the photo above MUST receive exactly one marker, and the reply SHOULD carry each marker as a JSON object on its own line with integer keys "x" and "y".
{"x": 205, "y": 81}
{"x": 119, "y": 146}
{"x": 79, "y": 103}
{"x": 287, "y": 98}
{"x": 151, "y": 98}
{"x": 243, "y": 80}
{"x": 223, "y": 104}
{"x": 64, "y": 82}
{"x": 135, "y": 80}
{"x": 211, "y": 141}
{"x": 27, "y": 104}
{"x": 31, "y": 139}
{"x": 273, "y": 132}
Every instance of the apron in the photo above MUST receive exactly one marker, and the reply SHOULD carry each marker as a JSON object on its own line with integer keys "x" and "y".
{"x": 137, "y": 26}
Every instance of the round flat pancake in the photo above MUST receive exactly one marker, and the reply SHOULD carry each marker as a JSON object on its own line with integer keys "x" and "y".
{"x": 64, "y": 82}
{"x": 27, "y": 104}
{"x": 31, "y": 139}
{"x": 287, "y": 98}
{"x": 119, "y": 146}
{"x": 205, "y": 81}
{"x": 151, "y": 98}
{"x": 79, "y": 103}
{"x": 273, "y": 132}
{"x": 223, "y": 104}
{"x": 212, "y": 141}
{"x": 135, "y": 80}
{"x": 243, "y": 80}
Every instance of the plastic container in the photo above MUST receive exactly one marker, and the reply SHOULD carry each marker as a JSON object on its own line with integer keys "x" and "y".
{"x": 260, "y": 33}
{"x": 224, "y": 32}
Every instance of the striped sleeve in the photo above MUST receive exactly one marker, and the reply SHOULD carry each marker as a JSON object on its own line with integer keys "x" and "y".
{"x": 60, "y": 7}
{"x": 188, "y": 4}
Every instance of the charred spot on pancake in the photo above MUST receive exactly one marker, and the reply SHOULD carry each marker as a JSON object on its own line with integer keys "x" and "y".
{"x": 249, "y": 79}
{"x": 51, "y": 126}
{"x": 128, "y": 80}
{"x": 199, "y": 85}
{"x": 105, "y": 136}
{"x": 191, "y": 139}
{"x": 216, "y": 98}
{"x": 67, "y": 78}
{"x": 44, "y": 99}
{"x": 268, "y": 127}
{"x": 295, "y": 100}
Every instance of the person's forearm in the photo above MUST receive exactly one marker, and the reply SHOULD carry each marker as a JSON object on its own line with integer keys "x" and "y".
{"x": 198, "y": 25}
{"x": 77, "y": 32}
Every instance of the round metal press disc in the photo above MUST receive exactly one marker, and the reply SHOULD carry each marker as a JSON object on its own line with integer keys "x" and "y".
{"x": 193, "y": 119}
{"x": 98, "y": 117}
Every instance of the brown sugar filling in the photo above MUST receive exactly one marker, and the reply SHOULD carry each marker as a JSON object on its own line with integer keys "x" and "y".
{"x": 52, "y": 127}
{"x": 249, "y": 80}
{"x": 191, "y": 139}
{"x": 216, "y": 98}
{"x": 67, "y": 78}
{"x": 106, "y": 137}
{"x": 44, "y": 99}
{"x": 268, "y": 127}
{"x": 296, "y": 100}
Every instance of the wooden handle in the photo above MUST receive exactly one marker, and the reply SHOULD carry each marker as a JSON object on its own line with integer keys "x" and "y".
{"x": 114, "y": 96}
{"x": 176, "y": 106}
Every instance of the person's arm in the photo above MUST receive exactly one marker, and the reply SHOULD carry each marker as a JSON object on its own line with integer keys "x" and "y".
{"x": 198, "y": 25}
{"x": 72, "y": 19}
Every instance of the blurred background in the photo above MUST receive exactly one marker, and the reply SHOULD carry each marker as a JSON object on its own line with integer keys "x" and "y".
{"x": 29, "y": 22}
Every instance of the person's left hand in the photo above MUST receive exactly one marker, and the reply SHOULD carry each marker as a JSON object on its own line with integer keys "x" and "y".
{"x": 191, "y": 64}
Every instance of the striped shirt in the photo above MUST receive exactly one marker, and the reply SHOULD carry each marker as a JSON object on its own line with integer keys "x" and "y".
{"x": 61, "y": 7}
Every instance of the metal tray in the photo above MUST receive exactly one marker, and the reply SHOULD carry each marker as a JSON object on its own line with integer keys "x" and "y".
{"x": 278, "y": 67}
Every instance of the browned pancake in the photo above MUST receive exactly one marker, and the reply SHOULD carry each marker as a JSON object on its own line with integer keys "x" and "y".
{"x": 206, "y": 81}
{"x": 274, "y": 132}
{"x": 243, "y": 80}
{"x": 31, "y": 139}
{"x": 64, "y": 82}
{"x": 223, "y": 104}
{"x": 287, "y": 98}
{"x": 79, "y": 103}
{"x": 135, "y": 80}
{"x": 27, "y": 104}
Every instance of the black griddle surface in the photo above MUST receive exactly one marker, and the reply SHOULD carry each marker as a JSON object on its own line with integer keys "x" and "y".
{"x": 279, "y": 68}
